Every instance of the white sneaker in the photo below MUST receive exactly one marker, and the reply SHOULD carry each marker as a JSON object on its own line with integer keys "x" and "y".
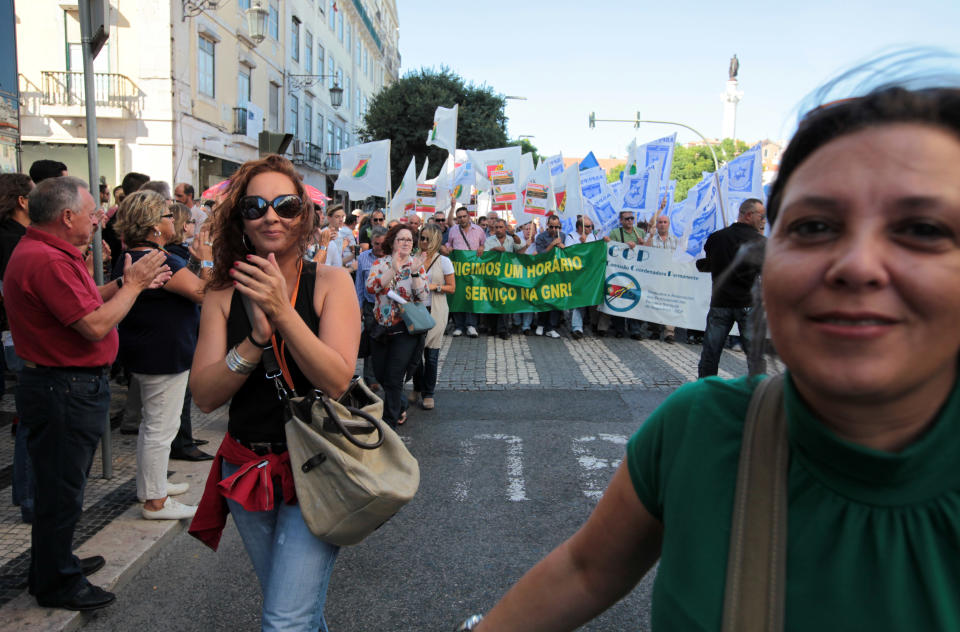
{"x": 457, "y": 332}
{"x": 539, "y": 330}
{"x": 175, "y": 489}
{"x": 472, "y": 331}
{"x": 553, "y": 334}
{"x": 171, "y": 510}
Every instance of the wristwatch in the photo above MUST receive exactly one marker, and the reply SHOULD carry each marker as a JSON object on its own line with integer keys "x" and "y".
{"x": 470, "y": 623}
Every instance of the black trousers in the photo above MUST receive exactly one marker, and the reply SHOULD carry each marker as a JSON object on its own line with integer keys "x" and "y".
{"x": 393, "y": 356}
{"x": 65, "y": 413}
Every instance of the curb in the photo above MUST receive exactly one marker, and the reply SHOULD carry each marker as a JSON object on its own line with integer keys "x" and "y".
{"x": 128, "y": 543}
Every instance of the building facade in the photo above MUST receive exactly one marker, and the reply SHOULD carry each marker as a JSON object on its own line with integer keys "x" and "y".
{"x": 182, "y": 93}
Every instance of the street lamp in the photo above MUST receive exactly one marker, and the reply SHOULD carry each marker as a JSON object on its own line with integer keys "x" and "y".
{"x": 257, "y": 21}
{"x": 592, "y": 122}
{"x": 296, "y": 82}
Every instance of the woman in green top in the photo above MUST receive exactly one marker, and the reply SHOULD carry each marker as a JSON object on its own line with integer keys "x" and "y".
{"x": 860, "y": 284}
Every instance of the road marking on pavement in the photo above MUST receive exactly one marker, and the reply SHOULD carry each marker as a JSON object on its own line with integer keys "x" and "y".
{"x": 510, "y": 361}
{"x": 516, "y": 486}
{"x": 598, "y": 363}
{"x": 469, "y": 450}
{"x": 444, "y": 349}
{"x": 596, "y": 470}
{"x": 680, "y": 358}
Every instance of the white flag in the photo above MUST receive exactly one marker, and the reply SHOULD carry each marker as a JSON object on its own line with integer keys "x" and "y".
{"x": 406, "y": 193}
{"x": 641, "y": 192}
{"x": 444, "y": 180}
{"x": 744, "y": 181}
{"x": 423, "y": 172}
{"x": 444, "y": 132}
{"x": 571, "y": 203}
{"x": 463, "y": 178}
{"x": 365, "y": 170}
{"x": 704, "y": 199}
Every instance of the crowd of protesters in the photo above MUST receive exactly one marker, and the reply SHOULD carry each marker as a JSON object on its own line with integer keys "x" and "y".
{"x": 261, "y": 239}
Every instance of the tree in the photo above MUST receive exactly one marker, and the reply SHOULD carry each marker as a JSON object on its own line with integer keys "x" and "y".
{"x": 527, "y": 147}
{"x": 614, "y": 174}
{"x": 689, "y": 163}
{"x": 403, "y": 112}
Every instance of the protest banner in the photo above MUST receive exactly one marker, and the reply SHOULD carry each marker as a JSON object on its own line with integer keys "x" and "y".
{"x": 647, "y": 284}
{"x": 426, "y": 198}
{"x": 507, "y": 283}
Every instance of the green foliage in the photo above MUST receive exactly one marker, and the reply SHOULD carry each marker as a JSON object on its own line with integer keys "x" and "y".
{"x": 403, "y": 112}
{"x": 526, "y": 147}
{"x": 689, "y": 163}
{"x": 614, "y": 174}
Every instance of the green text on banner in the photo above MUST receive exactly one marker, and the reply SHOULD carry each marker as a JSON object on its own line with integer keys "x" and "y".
{"x": 507, "y": 283}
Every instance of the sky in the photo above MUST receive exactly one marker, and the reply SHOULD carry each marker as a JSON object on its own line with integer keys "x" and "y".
{"x": 667, "y": 60}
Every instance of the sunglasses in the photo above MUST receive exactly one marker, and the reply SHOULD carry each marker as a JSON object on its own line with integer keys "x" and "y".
{"x": 377, "y": 220}
{"x": 286, "y": 206}
{"x": 167, "y": 216}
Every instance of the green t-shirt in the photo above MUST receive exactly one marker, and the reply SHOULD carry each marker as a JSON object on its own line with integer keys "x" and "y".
{"x": 873, "y": 537}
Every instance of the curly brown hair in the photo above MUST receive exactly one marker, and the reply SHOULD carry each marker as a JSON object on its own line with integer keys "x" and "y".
{"x": 227, "y": 224}
{"x": 392, "y": 236}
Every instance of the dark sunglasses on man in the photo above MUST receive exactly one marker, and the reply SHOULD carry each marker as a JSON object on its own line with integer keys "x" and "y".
{"x": 286, "y": 206}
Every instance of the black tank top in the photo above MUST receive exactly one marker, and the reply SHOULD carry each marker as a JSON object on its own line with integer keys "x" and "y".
{"x": 256, "y": 413}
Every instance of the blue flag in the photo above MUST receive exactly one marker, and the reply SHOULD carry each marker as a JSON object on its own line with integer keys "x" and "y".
{"x": 589, "y": 162}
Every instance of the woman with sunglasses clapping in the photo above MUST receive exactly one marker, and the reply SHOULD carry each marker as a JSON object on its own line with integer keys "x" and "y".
{"x": 309, "y": 314}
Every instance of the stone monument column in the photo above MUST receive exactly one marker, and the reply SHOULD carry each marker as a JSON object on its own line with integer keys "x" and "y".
{"x": 730, "y": 98}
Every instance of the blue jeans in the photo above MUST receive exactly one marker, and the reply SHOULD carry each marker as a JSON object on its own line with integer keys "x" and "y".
{"x": 576, "y": 319}
{"x": 524, "y": 320}
{"x": 65, "y": 413}
{"x": 425, "y": 377}
{"x": 719, "y": 323}
{"x": 292, "y": 564}
{"x": 462, "y": 320}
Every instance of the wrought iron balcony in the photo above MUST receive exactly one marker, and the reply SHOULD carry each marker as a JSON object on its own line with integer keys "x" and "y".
{"x": 240, "y": 121}
{"x": 314, "y": 155}
{"x": 332, "y": 161}
{"x": 110, "y": 89}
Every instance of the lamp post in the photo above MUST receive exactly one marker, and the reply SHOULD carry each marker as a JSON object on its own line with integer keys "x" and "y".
{"x": 296, "y": 82}
{"x": 593, "y": 120}
{"x": 257, "y": 21}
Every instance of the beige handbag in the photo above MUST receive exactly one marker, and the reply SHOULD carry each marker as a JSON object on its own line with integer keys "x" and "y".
{"x": 346, "y": 487}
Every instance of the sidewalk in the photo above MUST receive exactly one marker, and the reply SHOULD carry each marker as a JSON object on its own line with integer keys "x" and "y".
{"x": 110, "y": 526}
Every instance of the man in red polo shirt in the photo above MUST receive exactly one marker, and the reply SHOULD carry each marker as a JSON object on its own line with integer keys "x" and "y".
{"x": 64, "y": 328}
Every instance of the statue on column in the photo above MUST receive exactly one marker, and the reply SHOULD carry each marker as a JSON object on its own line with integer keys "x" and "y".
{"x": 734, "y": 67}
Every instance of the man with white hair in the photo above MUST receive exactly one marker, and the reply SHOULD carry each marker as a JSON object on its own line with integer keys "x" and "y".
{"x": 65, "y": 332}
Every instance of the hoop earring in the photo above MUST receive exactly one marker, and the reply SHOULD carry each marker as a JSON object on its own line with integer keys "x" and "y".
{"x": 243, "y": 239}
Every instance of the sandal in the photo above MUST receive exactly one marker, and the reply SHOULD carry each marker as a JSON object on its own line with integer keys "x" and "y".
{"x": 403, "y": 418}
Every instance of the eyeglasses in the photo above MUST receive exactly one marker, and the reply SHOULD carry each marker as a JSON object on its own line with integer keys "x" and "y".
{"x": 190, "y": 221}
{"x": 588, "y": 226}
{"x": 376, "y": 220}
{"x": 404, "y": 239}
{"x": 167, "y": 216}
{"x": 286, "y": 206}
{"x": 424, "y": 239}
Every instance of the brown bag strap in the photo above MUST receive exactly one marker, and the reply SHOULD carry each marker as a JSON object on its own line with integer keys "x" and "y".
{"x": 757, "y": 562}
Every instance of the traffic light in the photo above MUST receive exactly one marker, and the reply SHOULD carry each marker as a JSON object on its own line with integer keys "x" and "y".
{"x": 274, "y": 143}
{"x": 593, "y": 120}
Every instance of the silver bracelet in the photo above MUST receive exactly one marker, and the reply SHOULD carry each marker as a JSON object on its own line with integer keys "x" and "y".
{"x": 238, "y": 364}
{"x": 470, "y": 623}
